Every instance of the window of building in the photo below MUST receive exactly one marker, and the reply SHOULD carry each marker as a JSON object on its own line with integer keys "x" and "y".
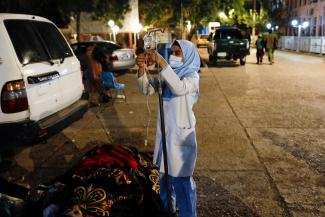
{"x": 310, "y": 12}
{"x": 320, "y": 26}
{"x": 313, "y": 26}
{"x": 324, "y": 23}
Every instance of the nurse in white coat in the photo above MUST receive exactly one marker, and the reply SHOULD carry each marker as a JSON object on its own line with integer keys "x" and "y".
{"x": 180, "y": 92}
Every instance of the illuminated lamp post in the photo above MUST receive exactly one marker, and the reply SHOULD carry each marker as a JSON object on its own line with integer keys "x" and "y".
{"x": 110, "y": 23}
{"x": 300, "y": 26}
{"x": 115, "y": 30}
{"x": 137, "y": 27}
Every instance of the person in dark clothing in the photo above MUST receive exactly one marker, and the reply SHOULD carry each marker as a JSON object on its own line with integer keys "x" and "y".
{"x": 260, "y": 45}
{"x": 271, "y": 44}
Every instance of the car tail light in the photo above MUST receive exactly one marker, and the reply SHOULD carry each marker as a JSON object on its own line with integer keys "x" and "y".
{"x": 42, "y": 133}
{"x": 14, "y": 97}
{"x": 114, "y": 58}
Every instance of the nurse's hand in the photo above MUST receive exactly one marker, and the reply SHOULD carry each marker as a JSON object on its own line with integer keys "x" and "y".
{"x": 155, "y": 57}
{"x": 141, "y": 62}
{"x": 151, "y": 57}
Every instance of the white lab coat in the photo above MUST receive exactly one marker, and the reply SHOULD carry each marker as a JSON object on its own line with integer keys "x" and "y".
{"x": 179, "y": 123}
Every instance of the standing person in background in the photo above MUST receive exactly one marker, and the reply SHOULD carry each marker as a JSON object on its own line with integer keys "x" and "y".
{"x": 180, "y": 93}
{"x": 260, "y": 45}
{"x": 271, "y": 45}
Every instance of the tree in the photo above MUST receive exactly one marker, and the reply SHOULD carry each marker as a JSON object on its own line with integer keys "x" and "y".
{"x": 44, "y": 8}
{"x": 60, "y": 11}
{"x": 100, "y": 9}
{"x": 199, "y": 12}
{"x": 280, "y": 14}
{"x": 246, "y": 18}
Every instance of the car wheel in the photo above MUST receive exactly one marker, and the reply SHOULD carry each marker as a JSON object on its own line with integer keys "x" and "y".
{"x": 242, "y": 60}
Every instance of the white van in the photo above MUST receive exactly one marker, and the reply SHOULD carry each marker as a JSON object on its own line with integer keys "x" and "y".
{"x": 40, "y": 78}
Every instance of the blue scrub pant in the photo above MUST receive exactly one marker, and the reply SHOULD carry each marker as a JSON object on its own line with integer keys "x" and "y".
{"x": 183, "y": 194}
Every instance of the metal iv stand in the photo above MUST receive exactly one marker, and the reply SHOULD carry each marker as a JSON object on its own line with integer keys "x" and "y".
{"x": 162, "y": 125}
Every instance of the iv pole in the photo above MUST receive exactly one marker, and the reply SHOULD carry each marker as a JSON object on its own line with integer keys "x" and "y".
{"x": 162, "y": 125}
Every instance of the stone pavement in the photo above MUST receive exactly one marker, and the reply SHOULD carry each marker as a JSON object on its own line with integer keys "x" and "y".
{"x": 261, "y": 139}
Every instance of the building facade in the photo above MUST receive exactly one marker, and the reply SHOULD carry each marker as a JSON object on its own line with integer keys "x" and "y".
{"x": 312, "y": 11}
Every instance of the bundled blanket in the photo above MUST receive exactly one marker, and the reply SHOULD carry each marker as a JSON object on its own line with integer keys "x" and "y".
{"x": 109, "y": 180}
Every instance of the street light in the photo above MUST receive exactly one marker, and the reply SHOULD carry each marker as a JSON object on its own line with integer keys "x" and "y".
{"x": 188, "y": 26}
{"x": 115, "y": 30}
{"x": 305, "y": 24}
{"x": 294, "y": 22}
{"x": 298, "y": 25}
{"x": 222, "y": 15}
{"x": 269, "y": 26}
{"x": 137, "y": 27}
{"x": 111, "y": 23}
{"x": 254, "y": 21}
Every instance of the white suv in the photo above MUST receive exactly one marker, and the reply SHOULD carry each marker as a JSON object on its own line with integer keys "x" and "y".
{"x": 40, "y": 78}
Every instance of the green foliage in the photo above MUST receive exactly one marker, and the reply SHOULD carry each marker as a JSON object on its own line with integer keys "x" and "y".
{"x": 199, "y": 12}
{"x": 202, "y": 12}
{"x": 46, "y": 8}
{"x": 100, "y": 9}
{"x": 247, "y": 18}
{"x": 59, "y": 11}
{"x": 111, "y": 9}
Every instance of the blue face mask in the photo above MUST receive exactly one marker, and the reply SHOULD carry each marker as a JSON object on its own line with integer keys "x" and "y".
{"x": 175, "y": 61}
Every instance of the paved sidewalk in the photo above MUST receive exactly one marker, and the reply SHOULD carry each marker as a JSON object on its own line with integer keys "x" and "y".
{"x": 260, "y": 133}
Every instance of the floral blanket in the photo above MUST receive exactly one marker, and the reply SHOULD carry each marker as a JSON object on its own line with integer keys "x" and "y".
{"x": 109, "y": 181}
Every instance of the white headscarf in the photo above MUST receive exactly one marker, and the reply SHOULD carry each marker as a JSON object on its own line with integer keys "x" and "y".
{"x": 190, "y": 66}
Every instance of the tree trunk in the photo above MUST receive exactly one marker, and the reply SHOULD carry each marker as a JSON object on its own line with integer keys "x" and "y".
{"x": 78, "y": 25}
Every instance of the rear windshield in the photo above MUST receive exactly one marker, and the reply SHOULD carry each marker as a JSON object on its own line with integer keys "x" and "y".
{"x": 109, "y": 47}
{"x": 36, "y": 41}
{"x": 81, "y": 48}
{"x": 227, "y": 34}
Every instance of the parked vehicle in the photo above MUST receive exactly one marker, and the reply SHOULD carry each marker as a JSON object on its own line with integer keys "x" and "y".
{"x": 200, "y": 40}
{"x": 121, "y": 59}
{"x": 228, "y": 43}
{"x": 40, "y": 78}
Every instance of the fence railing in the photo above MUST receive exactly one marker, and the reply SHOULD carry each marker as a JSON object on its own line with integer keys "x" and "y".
{"x": 305, "y": 44}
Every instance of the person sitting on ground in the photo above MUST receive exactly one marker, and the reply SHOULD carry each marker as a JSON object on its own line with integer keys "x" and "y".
{"x": 106, "y": 77}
